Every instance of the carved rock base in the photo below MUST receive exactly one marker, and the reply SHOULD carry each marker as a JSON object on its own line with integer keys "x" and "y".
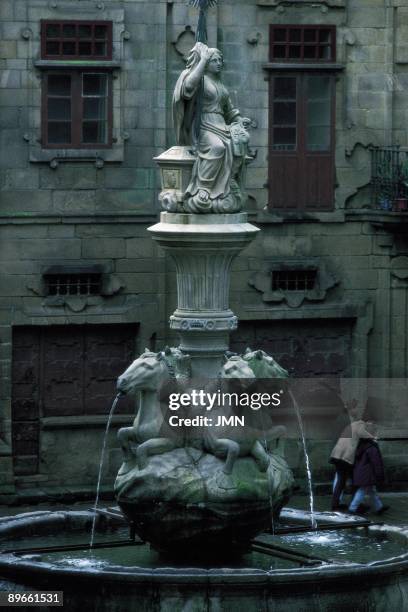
{"x": 182, "y": 502}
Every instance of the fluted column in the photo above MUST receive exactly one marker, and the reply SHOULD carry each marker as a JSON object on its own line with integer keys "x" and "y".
{"x": 203, "y": 248}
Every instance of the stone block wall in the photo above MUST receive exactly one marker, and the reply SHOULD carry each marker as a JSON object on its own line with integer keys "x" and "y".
{"x": 78, "y": 211}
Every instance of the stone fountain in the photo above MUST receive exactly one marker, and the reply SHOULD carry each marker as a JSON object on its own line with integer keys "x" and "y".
{"x": 200, "y": 485}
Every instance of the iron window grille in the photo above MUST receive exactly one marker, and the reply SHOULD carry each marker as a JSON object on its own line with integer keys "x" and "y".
{"x": 389, "y": 178}
{"x": 302, "y": 43}
{"x": 90, "y": 40}
{"x": 73, "y": 283}
{"x": 294, "y": 280}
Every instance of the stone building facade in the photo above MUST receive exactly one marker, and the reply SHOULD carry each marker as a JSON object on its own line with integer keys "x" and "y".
{"x": 83, "y": 288}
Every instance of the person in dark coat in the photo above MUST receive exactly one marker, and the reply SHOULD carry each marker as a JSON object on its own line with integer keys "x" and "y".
{"x": 368, "y": 472}
{"x": 344, "y": 451}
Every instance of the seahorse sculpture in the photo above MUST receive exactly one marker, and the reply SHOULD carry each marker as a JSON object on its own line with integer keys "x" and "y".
{"x": 227, "y": 442}
{"x": 150, "y": 433}
{"x": 153, "y": 374}
{"x": 259, "y": 434}
{"x": 264, "y": 366}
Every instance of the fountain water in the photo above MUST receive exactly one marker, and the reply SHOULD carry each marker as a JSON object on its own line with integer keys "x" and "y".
{"x": 270, "y": 486}
{"x": 307, "y": 461}
{"x": 101, "y": 462}
{"x": 354, "y": 566}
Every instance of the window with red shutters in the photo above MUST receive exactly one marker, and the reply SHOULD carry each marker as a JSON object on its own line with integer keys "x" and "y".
{"x": 76, "y": 101}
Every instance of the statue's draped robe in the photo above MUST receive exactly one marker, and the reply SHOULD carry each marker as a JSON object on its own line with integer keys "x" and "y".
{"x": 212, "y": 170}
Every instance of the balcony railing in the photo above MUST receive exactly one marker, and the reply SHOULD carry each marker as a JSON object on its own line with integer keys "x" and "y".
{"x": 389, "y": 179}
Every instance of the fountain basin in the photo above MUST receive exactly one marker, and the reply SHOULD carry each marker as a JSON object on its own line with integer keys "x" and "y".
{"x": 93, "y": 581}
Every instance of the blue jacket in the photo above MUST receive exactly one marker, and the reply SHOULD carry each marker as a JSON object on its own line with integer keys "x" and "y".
{"x": 368, "y": 467}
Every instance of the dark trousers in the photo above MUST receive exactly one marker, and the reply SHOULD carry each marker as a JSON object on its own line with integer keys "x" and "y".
{"x": 343, "y": 472}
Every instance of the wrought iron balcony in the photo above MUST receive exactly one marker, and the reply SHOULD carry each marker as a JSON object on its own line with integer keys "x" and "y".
{"x": 389, "y": 179}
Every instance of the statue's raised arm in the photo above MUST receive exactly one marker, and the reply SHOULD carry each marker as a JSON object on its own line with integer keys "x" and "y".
{"x": 202, "y": 105}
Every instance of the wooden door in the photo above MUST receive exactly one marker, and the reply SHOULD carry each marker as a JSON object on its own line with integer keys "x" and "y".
{"x": 306, "y": 348}
{"x": 62, "y": 371}
{"x": 301, "y": 133}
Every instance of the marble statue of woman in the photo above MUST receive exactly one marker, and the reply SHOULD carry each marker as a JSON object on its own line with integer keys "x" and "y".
{"x": 216, "y": 184}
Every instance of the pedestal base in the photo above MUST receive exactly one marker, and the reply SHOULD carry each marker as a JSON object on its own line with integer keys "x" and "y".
{"x": 183, "y": 500}
{"x": 203, "y": 248}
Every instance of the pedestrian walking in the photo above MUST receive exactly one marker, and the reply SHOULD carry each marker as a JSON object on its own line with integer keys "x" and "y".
{"x": 368, "y": 473}
{"x": 343, "y": 456}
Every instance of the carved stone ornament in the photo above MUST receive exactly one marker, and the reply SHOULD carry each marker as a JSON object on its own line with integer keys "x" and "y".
{"x": 254, "y": 38}
{"x": 111, "y": 286}
{"x": 399, "y": 267}
{"x": 209, "y": 324}
{"x": 184, "y": 42}
{"x": 324, "y": 281}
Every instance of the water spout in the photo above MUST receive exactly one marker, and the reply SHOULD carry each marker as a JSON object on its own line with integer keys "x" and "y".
{"x": 308, "y": 470}
{"x": 269, "y": 477}
{"x": 105, "y": 438}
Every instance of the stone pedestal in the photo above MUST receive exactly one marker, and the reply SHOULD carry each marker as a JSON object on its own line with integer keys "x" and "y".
{"x": 175, "y": 173}
{"x": 203, "y": 248}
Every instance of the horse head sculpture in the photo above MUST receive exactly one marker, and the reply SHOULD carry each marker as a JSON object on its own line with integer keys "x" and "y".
{"x": 263, "y": 365}
{"x": 178, "y": 363}
{"x": 237, "y": 372}
{"x": 146, "y": 372}
{"x": 236, "y": 367}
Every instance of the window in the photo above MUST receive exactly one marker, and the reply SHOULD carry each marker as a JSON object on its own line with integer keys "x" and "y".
{"x": 301, "y": 118}
{"x": 77, "y": 102}
{"x": 302, "y": 43}
{"x": 284, "y": 114}
{"x": 389, "y": 178}
{"x": 76, "y": 40}
{"x": 80, "y": 283}
{"x": 77, "y": 109}
{"x": 73, "y": 280}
